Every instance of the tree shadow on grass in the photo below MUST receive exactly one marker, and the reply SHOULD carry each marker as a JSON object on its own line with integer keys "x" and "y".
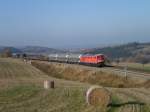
{"x": 126, "y": 103}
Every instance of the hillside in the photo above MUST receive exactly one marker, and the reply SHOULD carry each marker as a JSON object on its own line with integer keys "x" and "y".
{"x": 13, "y": 49}
{"x": 134, "y": 52}
{"x": 32, "y": 50}
{"x": 21, "y": 90}
{"x": 40, "y": 50}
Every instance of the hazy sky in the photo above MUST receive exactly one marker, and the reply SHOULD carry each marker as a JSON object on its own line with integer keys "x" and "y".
{"x": 73, "y": 23}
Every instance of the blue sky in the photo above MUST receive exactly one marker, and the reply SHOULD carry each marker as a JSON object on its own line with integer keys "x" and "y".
{"x": 73, "y": 23}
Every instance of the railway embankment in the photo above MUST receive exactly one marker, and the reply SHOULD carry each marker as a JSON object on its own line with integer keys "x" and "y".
{"x": 92, "y": 76}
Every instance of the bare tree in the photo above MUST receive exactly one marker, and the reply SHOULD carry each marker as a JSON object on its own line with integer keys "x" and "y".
{"x": 7, "y": 52}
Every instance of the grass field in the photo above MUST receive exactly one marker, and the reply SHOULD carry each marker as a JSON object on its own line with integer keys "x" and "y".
{"x": 21, "y": 90}
{"x": 136, "y": 66}
{"x": 31, "y": 98}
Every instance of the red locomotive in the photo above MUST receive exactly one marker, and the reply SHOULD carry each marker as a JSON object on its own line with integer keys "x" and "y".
{"x": 97, "y": 60}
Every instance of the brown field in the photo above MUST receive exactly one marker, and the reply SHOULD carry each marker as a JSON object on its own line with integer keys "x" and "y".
{"x": 21, "y": 90}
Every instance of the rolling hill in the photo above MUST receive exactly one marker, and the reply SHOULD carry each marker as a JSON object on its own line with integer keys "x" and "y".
{"x": 32, "y": 50}
{"x": 40, "y": 50}
{"x": 13, "y": 49}
{"x": 134, "y": 52}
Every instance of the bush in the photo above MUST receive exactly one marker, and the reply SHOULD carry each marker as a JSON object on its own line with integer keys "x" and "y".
{"x": 6, "y": 52}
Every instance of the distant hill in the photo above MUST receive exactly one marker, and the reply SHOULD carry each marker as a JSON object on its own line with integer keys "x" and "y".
{"x": 40, "y": 50}
{"x": 13, "y": 49}
{"x": 136, "y": 52}
{"x": 32, "y": 50}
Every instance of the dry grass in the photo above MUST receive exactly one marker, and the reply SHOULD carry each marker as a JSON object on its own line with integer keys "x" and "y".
{"x": 31, "y": 98}
{"x": 14, "y": 69}
{"x": 21, "y": 89}
{"x": 14, "y": 72}
{"x": 86, "y": 75}
{"x": 123, "y": 98}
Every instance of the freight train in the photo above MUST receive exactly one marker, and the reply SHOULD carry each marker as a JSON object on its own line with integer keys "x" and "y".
{"x": 86, "y": 59}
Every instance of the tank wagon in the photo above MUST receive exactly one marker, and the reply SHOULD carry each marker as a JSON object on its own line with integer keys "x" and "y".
{"x": 92, "y": 60}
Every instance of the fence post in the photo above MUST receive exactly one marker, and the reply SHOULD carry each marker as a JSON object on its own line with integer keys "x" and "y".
{"x": 125, "y": 71}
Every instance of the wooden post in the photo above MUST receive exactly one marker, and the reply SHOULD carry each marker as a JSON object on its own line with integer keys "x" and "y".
{"x": 125, "y": 71}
